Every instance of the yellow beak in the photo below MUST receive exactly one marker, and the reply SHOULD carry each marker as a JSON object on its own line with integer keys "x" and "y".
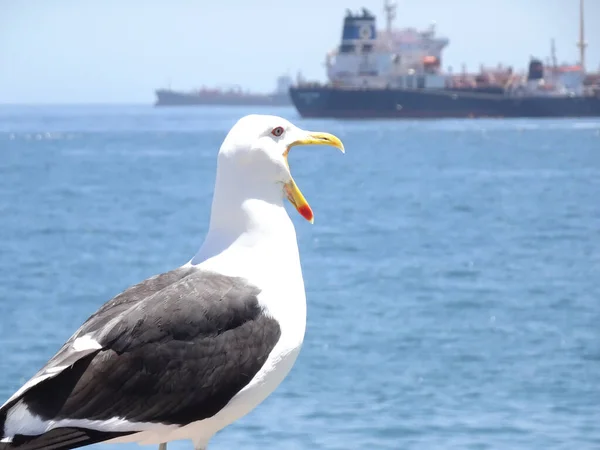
{"x": 291, "y": 189}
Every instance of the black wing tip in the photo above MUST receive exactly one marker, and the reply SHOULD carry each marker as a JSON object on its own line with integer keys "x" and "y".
{"x": 60, "y": 439}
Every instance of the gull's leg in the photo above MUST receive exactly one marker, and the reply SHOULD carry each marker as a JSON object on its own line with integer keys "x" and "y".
{"x": 200, "y": 444}
{"x": 162, "y": 446}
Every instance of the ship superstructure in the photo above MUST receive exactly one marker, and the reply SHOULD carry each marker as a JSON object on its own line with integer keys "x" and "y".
{"x": 367, "y": 57}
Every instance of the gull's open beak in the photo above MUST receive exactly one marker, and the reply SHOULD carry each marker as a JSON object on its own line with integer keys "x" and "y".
{"x": 291, "y": 189}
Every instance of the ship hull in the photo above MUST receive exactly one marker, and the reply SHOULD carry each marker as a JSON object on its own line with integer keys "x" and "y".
{"x": 165, "y": 97}
{"x": 329, "y": 102}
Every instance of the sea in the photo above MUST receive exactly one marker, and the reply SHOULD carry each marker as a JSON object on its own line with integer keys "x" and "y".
{"x": 452, "y": 271}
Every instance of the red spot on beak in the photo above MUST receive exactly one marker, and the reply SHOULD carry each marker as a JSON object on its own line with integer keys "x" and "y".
{"x": 306, "y": 212}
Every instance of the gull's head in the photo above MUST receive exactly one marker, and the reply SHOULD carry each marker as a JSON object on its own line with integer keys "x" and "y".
{"x": 255, "y": 154}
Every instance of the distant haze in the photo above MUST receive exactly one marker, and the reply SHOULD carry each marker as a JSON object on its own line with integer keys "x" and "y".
{"x": 119, "y": 51}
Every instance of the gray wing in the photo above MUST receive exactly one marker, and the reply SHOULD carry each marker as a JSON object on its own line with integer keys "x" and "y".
{"x": 177, "y": 356}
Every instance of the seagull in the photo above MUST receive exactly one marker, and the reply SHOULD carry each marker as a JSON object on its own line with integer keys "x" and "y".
{"x": 185, "y": 353}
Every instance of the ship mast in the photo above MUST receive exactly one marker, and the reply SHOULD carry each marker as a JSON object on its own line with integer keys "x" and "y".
{"x": 581, "y": 44}
{"x": 553, "y": 53}
{"x": 390, "y": 15}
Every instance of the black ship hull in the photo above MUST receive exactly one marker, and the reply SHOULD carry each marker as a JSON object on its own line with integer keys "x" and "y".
{"x": 330, "y": 102}
{"x": 166, "y": 97}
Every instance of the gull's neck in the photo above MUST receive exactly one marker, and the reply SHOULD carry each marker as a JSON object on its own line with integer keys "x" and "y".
{"x": 250, "y": 231}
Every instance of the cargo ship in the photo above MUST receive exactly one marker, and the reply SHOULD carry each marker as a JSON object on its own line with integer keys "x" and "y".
{"x": 397, "y": 74}
{"x": 234, "y": 96}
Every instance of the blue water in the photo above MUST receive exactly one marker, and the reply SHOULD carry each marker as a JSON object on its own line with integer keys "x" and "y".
{"x": 452, "y": 272}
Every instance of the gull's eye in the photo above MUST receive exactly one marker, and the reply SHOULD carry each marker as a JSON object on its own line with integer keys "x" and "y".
{"x": 277, "y": 131}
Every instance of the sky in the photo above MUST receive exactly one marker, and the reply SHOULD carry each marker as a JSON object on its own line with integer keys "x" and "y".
{"x": 120, "y": 51}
